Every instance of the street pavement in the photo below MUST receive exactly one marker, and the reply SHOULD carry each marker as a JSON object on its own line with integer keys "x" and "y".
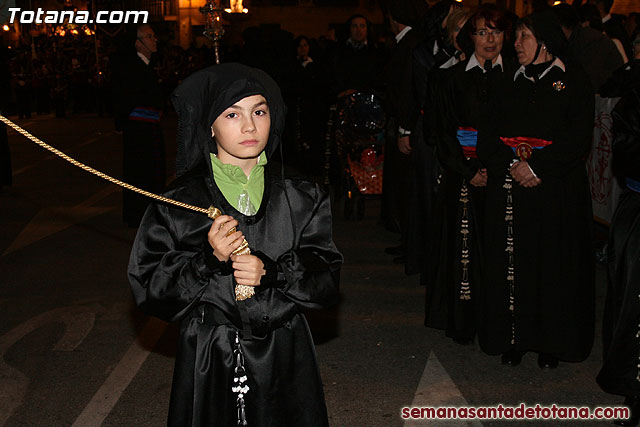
{"x": 74, "y": 350}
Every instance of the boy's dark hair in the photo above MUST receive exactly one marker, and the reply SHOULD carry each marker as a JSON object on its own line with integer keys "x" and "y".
{"x": 567, "y": 15}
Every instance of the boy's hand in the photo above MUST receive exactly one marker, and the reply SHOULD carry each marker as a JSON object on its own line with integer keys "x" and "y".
{"x": 248, "y": 269}
{"x": 222, "y": 244}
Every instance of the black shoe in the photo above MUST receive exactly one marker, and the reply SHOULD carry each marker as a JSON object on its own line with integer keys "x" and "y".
{"x": 547, "y": 361}
{"x": 394, "y": 250}
{"x": 512, "y": 357}
{"x": 633, "y": 403}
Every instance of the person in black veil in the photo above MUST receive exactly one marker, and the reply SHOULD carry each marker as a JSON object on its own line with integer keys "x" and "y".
{"x": 539, "y": 286}
{"x": 620, "y": 373}
{"x": 244, "y": 358}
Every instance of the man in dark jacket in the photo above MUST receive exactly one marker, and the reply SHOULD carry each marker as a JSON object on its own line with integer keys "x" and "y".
{"x": 404, "y": 109}
{"x": 357, "y": 61}
{"x": 138, "y": 104}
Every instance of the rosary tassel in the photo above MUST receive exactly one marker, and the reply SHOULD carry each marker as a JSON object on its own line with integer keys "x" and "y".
{"x": 508, "y": 185}
{"x": 239, "y": 379}
{"x": 465, "y": 290}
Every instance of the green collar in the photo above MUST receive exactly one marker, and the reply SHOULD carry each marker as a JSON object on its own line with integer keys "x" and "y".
{"x": 242, "y": 192}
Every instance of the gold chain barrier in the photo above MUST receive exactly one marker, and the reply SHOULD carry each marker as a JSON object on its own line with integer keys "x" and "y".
{"x": 242, "y": 291}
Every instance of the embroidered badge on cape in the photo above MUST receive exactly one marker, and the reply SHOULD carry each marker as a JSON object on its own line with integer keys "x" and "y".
{"x": 559, "y": 85}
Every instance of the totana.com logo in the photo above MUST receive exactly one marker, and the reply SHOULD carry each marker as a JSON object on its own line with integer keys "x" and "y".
{"x": 41, "y": 16}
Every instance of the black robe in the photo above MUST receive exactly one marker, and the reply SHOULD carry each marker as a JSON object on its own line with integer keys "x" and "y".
{"x": 620, "y": 373}
{"x": 175, "y": 276}
{"x": 403, "y": 108}
{"x": 464, "y": 101}
{"x": 172, "y": 279}
{"x": 425, "y": 165}
{"x": 553, "y": 310}
{"x": 143, "y": 154}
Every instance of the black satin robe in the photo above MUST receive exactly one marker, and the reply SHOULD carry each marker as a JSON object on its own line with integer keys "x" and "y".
{"x": 620, "y": 373}
{"x": 173, "y": 277}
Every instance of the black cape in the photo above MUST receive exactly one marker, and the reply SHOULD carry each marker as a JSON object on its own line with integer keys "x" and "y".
{"x": 620, "y": 372}
{"x": 552, "y": 225}
{"x": 175, "y": 276}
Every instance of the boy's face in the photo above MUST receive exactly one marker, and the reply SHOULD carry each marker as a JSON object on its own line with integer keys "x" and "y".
{"x": 242, "y": 130}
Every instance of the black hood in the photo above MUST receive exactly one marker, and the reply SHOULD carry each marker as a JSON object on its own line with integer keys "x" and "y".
{"x": 205, "y": 94}
{"x": 547, "y": 29}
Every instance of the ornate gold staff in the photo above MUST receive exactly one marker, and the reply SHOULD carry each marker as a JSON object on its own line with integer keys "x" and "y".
{"x": 242, "y": 291}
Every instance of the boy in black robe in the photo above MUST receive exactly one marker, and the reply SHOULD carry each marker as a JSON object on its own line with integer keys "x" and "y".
{"x": 182, "y": 267}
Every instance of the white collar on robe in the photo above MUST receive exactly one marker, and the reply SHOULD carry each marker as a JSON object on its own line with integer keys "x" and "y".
{"x": 473, "y": 62}
{"x": 556, "y": 63}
